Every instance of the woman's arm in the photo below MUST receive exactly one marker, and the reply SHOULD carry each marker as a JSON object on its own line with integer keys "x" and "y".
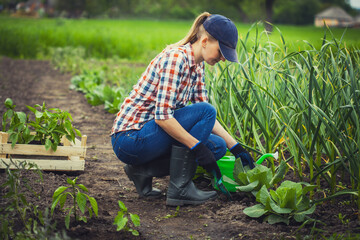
{"x": 220, "y": 131}
{"x": 174, "y": 129}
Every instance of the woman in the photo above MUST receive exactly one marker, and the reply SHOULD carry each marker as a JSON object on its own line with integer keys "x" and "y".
{"x": 156, "y": 131}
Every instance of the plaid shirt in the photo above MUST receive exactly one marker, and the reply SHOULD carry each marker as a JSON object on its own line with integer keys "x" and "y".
{"x": 170, "y": 82}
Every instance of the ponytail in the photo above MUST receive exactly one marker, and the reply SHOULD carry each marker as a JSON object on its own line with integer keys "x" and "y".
{"x": 195, "y": 32}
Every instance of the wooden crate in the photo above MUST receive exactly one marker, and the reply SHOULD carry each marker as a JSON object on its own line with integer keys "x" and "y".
{"x": 69, "y": 157}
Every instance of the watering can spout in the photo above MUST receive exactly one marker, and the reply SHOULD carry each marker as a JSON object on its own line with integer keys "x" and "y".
{"x": 266, "y": 155}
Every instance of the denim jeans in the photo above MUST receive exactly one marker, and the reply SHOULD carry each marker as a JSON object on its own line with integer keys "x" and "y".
{"x": 151, "y": 141}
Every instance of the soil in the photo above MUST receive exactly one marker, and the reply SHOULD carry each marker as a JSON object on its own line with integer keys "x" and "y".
{"x": 30, "y": 82}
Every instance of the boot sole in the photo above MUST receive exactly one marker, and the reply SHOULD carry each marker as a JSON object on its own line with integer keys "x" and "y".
{"x": 180, "y": 202}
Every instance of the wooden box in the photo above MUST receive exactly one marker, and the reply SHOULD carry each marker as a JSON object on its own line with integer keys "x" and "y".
{"x": 68, "y": 157}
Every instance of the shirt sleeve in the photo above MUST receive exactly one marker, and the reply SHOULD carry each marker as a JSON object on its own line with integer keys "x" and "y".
{"x": 170, "y": 74}
{"x": 199, "y": 91}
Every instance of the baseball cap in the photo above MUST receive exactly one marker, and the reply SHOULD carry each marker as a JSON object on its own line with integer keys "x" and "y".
{"x": 224, "y": 30}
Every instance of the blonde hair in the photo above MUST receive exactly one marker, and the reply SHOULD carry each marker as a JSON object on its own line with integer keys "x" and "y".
{"x": 196, "y": 31}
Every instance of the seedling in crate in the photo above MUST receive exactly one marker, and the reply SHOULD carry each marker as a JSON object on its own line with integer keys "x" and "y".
{"x": 122, "y": 220}
{"x": 79, "y": 202}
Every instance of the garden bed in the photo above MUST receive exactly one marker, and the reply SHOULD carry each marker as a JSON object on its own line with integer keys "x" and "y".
{"x": 68, "y": 157}
{"x": 106, "y": 181}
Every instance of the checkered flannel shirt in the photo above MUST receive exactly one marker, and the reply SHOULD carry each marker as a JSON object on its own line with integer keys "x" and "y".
{"x": 170, "y": 82}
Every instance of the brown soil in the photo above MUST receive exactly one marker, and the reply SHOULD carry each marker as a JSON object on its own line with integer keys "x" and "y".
{"x": 30, "y": 82}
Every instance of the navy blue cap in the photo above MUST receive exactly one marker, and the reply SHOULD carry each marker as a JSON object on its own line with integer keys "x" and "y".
{"x": 224, "y": 30}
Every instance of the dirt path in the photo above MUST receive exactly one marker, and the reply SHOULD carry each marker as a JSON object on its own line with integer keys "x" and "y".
{"x": 30, "y": 82}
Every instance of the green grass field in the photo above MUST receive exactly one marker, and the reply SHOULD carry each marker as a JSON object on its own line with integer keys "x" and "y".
{"x": 138, "y": 40}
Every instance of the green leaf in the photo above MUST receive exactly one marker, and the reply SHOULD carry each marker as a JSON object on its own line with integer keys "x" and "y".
{"x": 255, "y": 211}
{"x": 134, "y": 232}
{"x": 118, "y": 217}
{"x": 94, "y": 205}
{"x": 263, "y": 195}
{"x": 280, "y": 173}
{"x": 290, "y": 199}
{"x": 54, "y": 146}
{"x": 311, "y": 210}
{"x": 68, "y": 127}
{"x": 121, "y": 223}
{"x": 58, "y": 191}
{"x": 81, "y": 201}
{"x": 63, "y": 199}
{"x": 31, "y": 109}
{"x": 82, "y": 187}
{"x": 273, "y": 219}
{"x": 248, "y": 188}
{"x": 135, "y": 219}
{"x": 71, "y": 182}
{"x": 299, "y": 217}
{"x": 308, "y": 188}
{"x": 38, "y": 114}
{"x": 122, "y": 206}
{"x": 48, "y": 144}
{"x": 276, "y": 208}
{"x": 67, "y": 221}
{"x": 77, "y": 132}
{"x": 8, "y": 103}
{"x": 53, "y": 205}
{"x": 22, "y": 117}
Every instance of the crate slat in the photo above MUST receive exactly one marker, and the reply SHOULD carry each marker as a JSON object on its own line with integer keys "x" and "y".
{"x": 51, "y": 165}
{"x": 74, "y": 152}
{"x": 29, "y": 149}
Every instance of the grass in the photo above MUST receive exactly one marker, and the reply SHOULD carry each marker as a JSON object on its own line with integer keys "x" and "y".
{"x": 136, "y": 40}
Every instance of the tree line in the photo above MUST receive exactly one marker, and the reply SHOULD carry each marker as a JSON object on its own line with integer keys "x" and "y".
{"x": 297, "y": 12}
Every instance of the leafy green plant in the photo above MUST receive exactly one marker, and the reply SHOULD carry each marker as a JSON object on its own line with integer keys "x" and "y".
{"x": 78, "y": 202}
{"x": 16, "y": 188}
{"x": 18, "y": 128}
{"x": 288, "y": 201}
{"x": 92, "y": 83}
{"x": 51, "y": 126}
{"x": 253, "y": 180}
{"x": 122, "y": 220}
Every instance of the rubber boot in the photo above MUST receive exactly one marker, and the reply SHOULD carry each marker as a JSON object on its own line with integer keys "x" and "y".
{"x": 142, "y": 176}
{"x": 182, "y": 189}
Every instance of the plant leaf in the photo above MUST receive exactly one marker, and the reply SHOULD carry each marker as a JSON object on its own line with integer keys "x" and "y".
{"x": 255, "y": 211}
{"x": 273, "y": 219}
{"x": 122, "y": 206}
{"x": 121, "y": 223}
{"x": 82, "y": 187}
{"x": 81, "y": 201}
{"x": 94, "y": 204}
{"x": 249, "y": 187}
{"x": 135, "y": 219}
{"x": 67, "y": 221}
{"x": 58, "y": 191}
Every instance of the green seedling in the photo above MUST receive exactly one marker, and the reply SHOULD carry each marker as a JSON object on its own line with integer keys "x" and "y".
{"x": 122, "y": 220}
{"x": 92, "y": 83}
{"x": 78, "y": 202}
{"x": 50, "y": 125}
{"x": 16, "y": 124}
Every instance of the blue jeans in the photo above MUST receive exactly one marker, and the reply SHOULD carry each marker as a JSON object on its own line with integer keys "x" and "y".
{"x": 151, "y": 141}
